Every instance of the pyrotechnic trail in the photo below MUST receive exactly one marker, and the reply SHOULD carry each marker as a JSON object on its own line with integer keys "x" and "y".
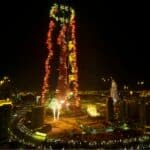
{"x": 62, "y": 17}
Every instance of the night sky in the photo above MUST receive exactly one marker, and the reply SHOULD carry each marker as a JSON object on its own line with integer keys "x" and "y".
{"x": 112, "y": 40}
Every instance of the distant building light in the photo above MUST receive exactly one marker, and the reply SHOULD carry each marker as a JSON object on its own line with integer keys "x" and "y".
{"x": 92, "y": 111}
{"x": 1, "y": 82}
{"x": 40, "y": 134}
{"x": 131, "y": 92}
{"x": 4, "y": 102}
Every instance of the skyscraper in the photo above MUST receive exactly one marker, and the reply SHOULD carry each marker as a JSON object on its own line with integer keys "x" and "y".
{"x": 110, "y": 110}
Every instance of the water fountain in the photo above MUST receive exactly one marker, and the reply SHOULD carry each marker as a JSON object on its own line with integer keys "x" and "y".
{"x": 55, "y": 106}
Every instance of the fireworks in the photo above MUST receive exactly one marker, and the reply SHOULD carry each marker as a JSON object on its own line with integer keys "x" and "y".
{"x": 63, "y": 18}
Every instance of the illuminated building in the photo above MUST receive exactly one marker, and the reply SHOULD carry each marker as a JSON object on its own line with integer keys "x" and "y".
{"x": 5, "y": 114}
{"x": 5, "y": 88}
{"x": 39, "y": 136}
{"x": 92, "y": 111}
{"x": 62, "y": 32}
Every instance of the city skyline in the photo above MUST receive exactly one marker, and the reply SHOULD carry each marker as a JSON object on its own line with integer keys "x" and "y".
{"x": 74, "y": 77}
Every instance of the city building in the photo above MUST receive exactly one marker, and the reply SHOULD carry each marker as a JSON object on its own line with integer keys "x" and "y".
{"x": 110, "y": 110}
{"x": 142, "y": 113}
{"x": 147, "y": 113}
{"x": 5, "y": 116}
{"x": 37, "y": 117}
{"x": 122, "y": 111}
{"x": 132, "y": 110}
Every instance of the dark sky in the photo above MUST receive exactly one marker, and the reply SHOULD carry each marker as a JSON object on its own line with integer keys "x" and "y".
{"x": 112, "y": 40}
